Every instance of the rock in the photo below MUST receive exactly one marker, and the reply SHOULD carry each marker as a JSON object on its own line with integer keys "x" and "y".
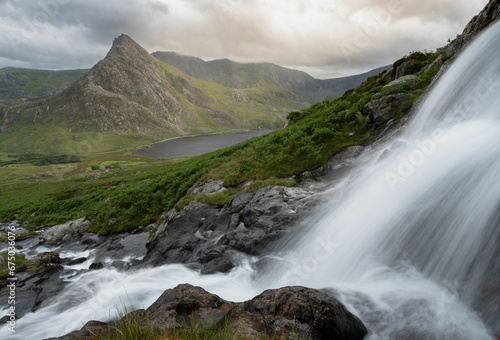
{"x": 409, "y": 81}
{"x": 210, "y": 187}
{"x": 218, "y": 265}
{"x": 91, "y": 330}
{"x": 289, "y": 312}
{"x": 124, "y": 247}
{"x": 249, "y": 224}
{"x": 489, "y": 15}
{"x": 96, "y": 265}
{"x": 385, "y": 108}
{"x": 403, "y": 69}
{"x": 76, "y": 261}
{"x": 47, "y": 263}
{"x": 437, "y": 63}
{"x": 324, "y": 316}
{"x": 388, "y": 76}
{"x": 69, "y": 231}
{"x": 25, "y": 301}
{"x": 187, "y": 304}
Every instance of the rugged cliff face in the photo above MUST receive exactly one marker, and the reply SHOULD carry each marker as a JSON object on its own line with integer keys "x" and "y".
{"x": 486, "y": 17}
{"x": 132, "y": 95}
{"x": 124, "y": 92}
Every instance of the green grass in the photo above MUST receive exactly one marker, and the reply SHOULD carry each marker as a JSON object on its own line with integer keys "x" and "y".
{"x": 137, "y": 195}
{"x": 135, "y": 325}
{"x": 18, "y": 83}
{"x": 20, "y": 260}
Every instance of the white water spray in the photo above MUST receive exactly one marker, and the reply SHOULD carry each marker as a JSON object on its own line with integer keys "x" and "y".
{"x": 413, "y": 245}
{"x": 410, "y": 244}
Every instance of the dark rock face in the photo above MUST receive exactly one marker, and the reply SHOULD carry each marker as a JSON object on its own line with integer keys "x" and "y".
{"x": 289, "y": 312}
{"x": 325, "y": 316}
{"x": 212, "y": 237}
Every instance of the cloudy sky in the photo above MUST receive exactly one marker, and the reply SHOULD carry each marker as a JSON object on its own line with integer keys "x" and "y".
{"x": 326, "y": 38}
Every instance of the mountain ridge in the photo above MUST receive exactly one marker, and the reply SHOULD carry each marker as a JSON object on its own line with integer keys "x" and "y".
{"x": 131, "y": 98}
{"x": 222, "y": 71}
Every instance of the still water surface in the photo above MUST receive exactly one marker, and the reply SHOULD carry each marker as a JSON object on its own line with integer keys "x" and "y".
{"x": 193, "y": 146}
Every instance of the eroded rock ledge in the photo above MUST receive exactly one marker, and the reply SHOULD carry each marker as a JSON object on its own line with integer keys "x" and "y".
{"x": 290, "y": 312}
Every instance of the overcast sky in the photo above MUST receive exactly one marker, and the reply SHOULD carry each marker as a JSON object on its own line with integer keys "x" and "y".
{"x": 326, "y": 38}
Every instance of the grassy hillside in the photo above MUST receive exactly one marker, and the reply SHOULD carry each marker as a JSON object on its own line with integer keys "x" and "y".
{"x": 17, "y": 84}
{"x": 138, "y": 195}
{"x": 238, "y": 75}
{"x": 131, "y": 99}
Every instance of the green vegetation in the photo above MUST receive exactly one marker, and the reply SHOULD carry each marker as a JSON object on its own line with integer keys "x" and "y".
{"x": 135, "y": 326}
{"x": 18, "y": 83}
{"x": 20, "y": 261}
{"x": 137, "y": 195}
{"x": 40, "y": 159}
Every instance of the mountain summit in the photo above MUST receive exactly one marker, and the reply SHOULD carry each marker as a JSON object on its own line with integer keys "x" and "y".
{"x": 132, "y": 98}
{"x": 124, "y": 92}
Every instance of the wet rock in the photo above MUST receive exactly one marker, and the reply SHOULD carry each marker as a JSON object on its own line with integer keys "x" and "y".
{"x": 324, "y": 316}
{"x": 218, "y": 265}
{"x": 69, "y": 232}
{"x": 25, "y": 301}
{"x": 47, "y": 263}
{"x": 96, "y": 265}
{"x": 91, "y": 330}
{"x": 76, "y": 261}
{"x": 289, "y": 312}
{"x": 49, "y": 289}
{"x": 248, "y": 224}
{"x": 125, "y": 247}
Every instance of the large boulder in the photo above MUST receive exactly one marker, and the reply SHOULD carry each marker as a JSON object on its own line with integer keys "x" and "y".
{"x": 409, "y": 81}
{"x": 65, "y": 233}
{"x": 211, "y": 238}
{"x": 386, "y": 108}
{"x": 289, "y": 312}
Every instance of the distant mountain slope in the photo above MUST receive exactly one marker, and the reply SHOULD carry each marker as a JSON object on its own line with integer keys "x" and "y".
{"x": 238, "y": 75}
{"x": 130, "y": 98}
{"x": 18, "y": 84}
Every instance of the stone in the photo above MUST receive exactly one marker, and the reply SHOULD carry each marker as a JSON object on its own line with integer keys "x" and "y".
{"x": 324, "y": 315}
{"x": 76, "y": 261}
{"x": 385, "y": 108}
{"x": 409, "y": 81}
{"x": 288, "y": 312}
{"x": 210, "y": 187}
{"x": 96, "y": 265}
{"x": 249, "y": 224}
{"x": 217, "y": 265}
{"x": 69, "y": 231}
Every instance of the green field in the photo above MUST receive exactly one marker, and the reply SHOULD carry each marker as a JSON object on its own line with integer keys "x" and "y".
{"x": 138, "y": 192}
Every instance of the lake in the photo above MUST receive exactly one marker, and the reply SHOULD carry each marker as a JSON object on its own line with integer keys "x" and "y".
{"x": 193, "y": 146}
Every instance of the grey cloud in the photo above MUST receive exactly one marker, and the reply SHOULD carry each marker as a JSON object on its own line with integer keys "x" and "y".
{"x": 307, "y": 34}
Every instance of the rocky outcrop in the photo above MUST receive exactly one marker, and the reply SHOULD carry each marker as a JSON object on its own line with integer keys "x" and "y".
{"x": 289, "y": 312}
{"x": 386, "y": 108}
{"x": 211, "y": 238}
{"x": 66, "y": 233}
{"x": 489, "y": 15}
{"x": 409, "y": 81}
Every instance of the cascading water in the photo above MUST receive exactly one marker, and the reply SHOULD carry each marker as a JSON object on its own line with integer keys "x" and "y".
{"x": 413, "y": 245}
{"x": 409, "y": 243}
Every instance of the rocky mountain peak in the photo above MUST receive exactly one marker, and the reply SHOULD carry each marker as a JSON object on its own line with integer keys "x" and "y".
{"x": 125, "y": 47}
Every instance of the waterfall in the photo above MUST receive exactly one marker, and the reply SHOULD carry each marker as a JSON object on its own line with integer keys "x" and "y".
{"x": 409, "y": 242}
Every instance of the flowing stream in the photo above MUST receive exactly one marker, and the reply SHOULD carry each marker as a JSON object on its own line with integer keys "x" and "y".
{"x": 409, "y": 242}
